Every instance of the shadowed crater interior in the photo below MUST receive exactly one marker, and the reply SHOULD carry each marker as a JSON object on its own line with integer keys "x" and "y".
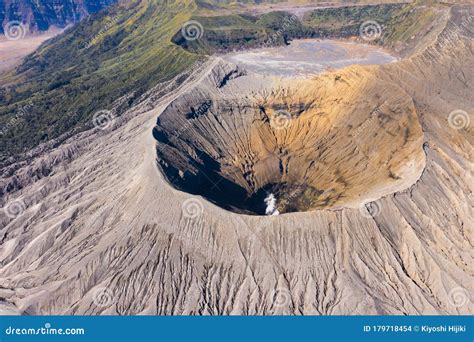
{"x": 300, "y": 146}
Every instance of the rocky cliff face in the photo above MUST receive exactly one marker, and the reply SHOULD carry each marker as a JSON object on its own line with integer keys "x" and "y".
{"x": 94, "y": 227}
{"x": 41, "y": 15}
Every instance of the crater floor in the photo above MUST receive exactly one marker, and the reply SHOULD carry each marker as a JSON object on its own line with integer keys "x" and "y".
{"x": 305, "y": 58}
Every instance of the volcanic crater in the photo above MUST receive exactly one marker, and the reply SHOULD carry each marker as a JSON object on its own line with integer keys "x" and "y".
{"x": 256, "y": 144}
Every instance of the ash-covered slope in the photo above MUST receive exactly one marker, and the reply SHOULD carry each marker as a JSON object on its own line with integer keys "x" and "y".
{"x": 104, "y": 233}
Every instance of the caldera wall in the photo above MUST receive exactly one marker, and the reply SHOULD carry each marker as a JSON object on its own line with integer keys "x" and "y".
{"x": 341, "y": 139}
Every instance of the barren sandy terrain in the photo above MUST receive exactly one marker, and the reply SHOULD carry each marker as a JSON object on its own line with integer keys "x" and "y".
{"x": 306, "y": 58}
{"x": 105, "y": 228}
{"x": 12, "y": 51}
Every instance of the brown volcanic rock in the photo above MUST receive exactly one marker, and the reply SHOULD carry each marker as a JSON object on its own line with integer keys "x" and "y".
{"x": 339, "y": 139}
{"x": 106, "y": 222}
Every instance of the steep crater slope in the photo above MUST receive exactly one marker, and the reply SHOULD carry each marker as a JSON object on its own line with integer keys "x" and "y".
{"x": 241, "y": 140}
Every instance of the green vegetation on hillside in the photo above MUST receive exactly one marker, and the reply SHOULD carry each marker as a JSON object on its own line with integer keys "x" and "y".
{"x": 223, "y": 33}
{"x": 240, "y": 31}
{"x": 121, "y": 50}
{"x": 332, "y": 18}
{"x": 407, "y": 23}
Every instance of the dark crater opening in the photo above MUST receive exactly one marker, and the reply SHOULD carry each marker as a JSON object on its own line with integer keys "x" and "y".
{"x": 208, "y": 150}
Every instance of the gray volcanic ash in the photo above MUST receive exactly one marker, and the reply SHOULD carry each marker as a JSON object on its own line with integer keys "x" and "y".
{"x": 113, "y": 228}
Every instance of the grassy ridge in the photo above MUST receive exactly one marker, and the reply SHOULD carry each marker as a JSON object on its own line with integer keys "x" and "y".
{"x": 126, "y": 48}
{"x": 240, "y": 31}
{"x": 330, "y": 18}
